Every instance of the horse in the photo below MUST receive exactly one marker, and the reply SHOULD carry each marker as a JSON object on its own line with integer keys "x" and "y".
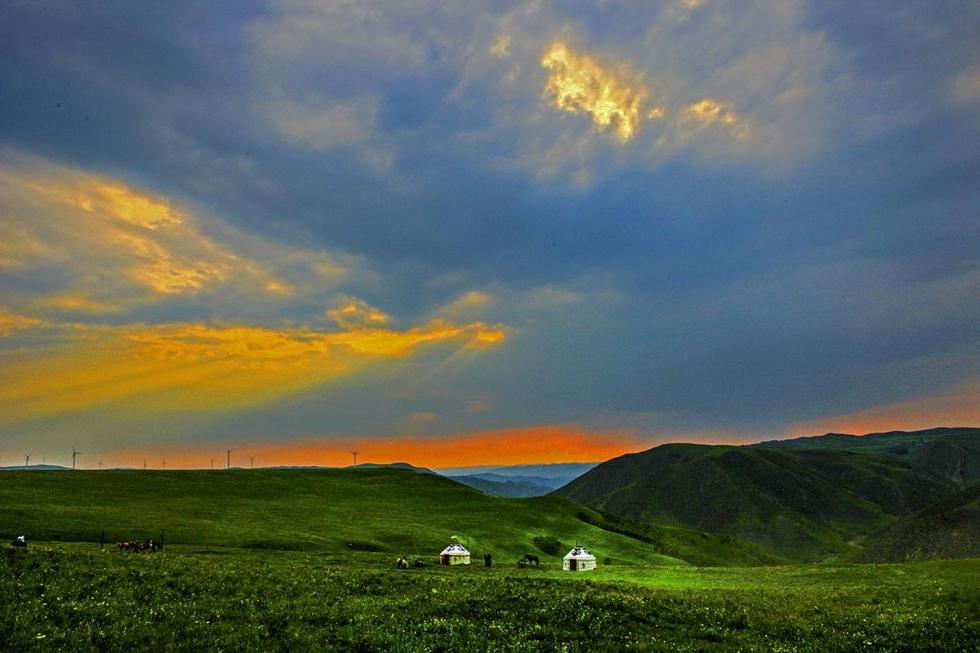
{"x": 530, "y": 559}
{"x": 19, "y": 542}
{"x": 402, "y": 563}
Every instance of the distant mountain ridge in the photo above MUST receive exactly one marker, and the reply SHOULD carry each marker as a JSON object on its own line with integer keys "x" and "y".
{"x": 504, "y": 486}
{"x": 803, "y": 499}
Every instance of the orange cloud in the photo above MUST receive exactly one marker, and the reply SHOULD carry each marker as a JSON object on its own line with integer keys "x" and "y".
{"x": 709, "y": 111}
{"x": 200, "y": 367}
{"x": 960, "y": 408}
{"x": 76, "y": 302}
{"x": 10, "y": 322}
{"x": 122, "y": 246}
{"x": 352, "y": 312}
{"x": 533, "y": 444}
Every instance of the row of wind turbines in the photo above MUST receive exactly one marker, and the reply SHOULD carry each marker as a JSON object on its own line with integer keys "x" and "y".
{"x": 75, "y": 453}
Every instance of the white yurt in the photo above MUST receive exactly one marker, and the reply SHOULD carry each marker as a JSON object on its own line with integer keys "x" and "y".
{"x": 578, "y": 559}
{"x": 454, "y": 554}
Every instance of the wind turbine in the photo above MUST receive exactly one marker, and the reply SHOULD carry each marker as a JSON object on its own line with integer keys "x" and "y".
{"x": 251, "y": 462}
{"x": 27, "y": 461}
{"x": 228, "y": 453}
{"x": 164, "y": 463}
{"x": 100, "y": 464}
{"x": 74, "y": 453}
{"x": 354, "y": 453}
{"x": 212, "y": 464}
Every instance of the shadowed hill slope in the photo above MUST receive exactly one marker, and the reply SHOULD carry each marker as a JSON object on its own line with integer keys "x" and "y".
{"x": 390, "y": 510}
{"x": 949, "y": 528}
{"x": 803, "y": 500}
{"x": 951, "y": 453}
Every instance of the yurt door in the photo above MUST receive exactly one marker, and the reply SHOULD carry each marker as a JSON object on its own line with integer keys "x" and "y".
{"x": 573, "y": 564}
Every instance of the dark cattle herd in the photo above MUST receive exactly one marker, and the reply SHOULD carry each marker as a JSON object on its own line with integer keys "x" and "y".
{"x": 528, "y": 560}
{"x": 135, "y": 546}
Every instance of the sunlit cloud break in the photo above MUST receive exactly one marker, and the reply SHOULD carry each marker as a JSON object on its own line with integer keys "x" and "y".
{"x": 164, "y": 367}
{"x": 578, "y": 84}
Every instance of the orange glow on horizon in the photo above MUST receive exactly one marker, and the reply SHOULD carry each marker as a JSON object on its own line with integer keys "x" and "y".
{"x": 552, "y": 443}
{"x": 961, "y": 408}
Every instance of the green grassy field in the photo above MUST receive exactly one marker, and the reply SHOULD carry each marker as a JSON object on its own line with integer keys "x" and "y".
{"x": 395, "y": 511}
{"x": 262, "y": 561}
{"x": 74, "y": 597}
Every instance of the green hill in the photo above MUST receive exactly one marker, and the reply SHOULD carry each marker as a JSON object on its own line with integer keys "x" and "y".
{"x": 381, "y": 509}
{"x": 949, "y": 528}
{"x": 951, "y": 453}
{"x": 802, "y": 500}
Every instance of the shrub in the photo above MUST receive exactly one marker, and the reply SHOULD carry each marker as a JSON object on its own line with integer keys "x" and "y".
{"x": 548, "y": 544}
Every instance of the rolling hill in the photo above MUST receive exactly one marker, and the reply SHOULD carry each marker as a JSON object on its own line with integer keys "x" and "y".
{"x": 366, "y": 509}
{"x": 951, "y": 453}
{"x": 949, "y": 528}
{"x": 802, "y": 500}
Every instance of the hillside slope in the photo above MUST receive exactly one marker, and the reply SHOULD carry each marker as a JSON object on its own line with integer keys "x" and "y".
{"x": 390, "y": 510}
{"x": 798, "y": 502}
{"x": 951, "y": 453}
{"x": 949, "y": 528}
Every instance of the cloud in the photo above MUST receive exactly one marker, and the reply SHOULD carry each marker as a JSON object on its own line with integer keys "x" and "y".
{"x": 198, "y": 367}
{"x": 576, "y": 83}
{"x": 710, "y": 111}
{"x": 106, "y": 246}
{"x": 75, "y": 302}
{"x": 10, "y": 322}
{"x": 501, "y": 46}
{"x": 352, "y": 312}
{"x": 334, "y": 125}
{"x": 966, "y": 85}
{"x": 468, "y": 305}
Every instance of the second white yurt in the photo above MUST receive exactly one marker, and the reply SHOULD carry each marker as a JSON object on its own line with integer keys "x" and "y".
{"x": 454, "y": 554}
{"x": 578, "y": 559}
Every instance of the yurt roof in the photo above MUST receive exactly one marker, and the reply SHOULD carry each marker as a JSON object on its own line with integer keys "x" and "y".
{"x": 455, "y": 549}
{"x": 579, "y": 553}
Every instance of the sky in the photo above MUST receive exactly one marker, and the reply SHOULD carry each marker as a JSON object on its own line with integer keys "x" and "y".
{"x": 464, "y": 233}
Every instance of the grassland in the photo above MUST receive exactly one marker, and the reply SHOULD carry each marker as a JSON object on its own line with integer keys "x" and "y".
{"x": 395, "y": 511}
{"x": 263, "y": 561}
{"x": 72, "y": 597}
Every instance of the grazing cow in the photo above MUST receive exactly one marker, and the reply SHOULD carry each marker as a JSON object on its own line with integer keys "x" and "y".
{"x": 419, "y": 562}
{"x": 402, "y": 563}
{"x": 135, "y": 546}
{"x": 19, "y": 542}
{"x": 530, "y": 559}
